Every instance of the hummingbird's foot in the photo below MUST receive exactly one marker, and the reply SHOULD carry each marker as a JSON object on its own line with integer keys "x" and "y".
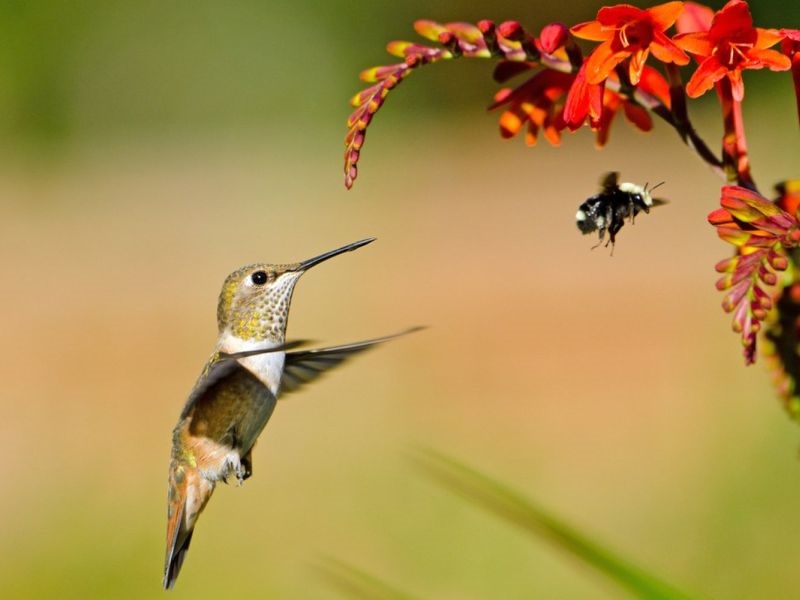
{"x": 240, "y": 476}
{"x": 247, "y": 465}
{"x": 240, "y": 470}
{"x": 233, "y": 466}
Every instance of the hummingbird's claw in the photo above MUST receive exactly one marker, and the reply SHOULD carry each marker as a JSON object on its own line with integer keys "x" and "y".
{"x": 247, "y": 464}
{"x": 239, "y": 471}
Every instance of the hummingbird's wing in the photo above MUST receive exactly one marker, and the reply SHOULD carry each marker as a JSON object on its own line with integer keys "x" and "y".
{"x": 304, "y": 366}
{"x": 281, "y": 348}
{"x": 222, "y": 365}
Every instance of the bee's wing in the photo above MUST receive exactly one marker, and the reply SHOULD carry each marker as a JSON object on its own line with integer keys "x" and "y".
{"x": 609, "y": 181}
{"x": 304, "y": 366}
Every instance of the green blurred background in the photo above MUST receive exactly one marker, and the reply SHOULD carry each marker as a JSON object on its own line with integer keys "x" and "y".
{"x": 149, "y": 148}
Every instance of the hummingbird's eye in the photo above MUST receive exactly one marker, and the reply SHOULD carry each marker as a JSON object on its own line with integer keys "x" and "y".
{"x": 259, "y": 277}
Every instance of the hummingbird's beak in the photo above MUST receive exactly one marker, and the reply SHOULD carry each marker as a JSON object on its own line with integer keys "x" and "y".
{"x": 307, "y": 264}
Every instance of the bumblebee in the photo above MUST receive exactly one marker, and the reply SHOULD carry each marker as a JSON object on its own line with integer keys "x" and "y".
{"x": 607, "y": 211}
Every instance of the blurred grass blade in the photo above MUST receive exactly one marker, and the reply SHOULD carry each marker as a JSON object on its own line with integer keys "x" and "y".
{"x": 513, "y": 506}
{"x": 356, "y": 583}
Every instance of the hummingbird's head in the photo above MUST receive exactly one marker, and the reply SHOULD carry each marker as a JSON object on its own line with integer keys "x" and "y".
{"x": 254, "y": 302}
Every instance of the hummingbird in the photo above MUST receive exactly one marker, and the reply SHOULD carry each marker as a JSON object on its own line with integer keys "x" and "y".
{"x": 251, "y": 366}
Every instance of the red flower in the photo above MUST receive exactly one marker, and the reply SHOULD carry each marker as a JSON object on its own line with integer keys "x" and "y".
{"x": 612, "y": 102}
{"x": 584, "y": 100}
{"x": 537, "y": 102}
{"x": 545, "y": 100}
{"x": 600, "y": 104}
{"x": 629, "y": 32}
{"x": 731, "y": 45}
{"x": 761, "y": 232}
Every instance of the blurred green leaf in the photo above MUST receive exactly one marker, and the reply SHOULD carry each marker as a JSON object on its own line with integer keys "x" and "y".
{"x": 511, "y": 505}
{"x": 355, "y": 583}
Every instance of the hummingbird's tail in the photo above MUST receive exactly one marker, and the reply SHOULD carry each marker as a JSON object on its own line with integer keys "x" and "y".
{"x": 188, "y": 493}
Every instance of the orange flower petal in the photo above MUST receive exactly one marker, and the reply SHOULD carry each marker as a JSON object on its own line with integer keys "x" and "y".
{"x": 603, "y": 129}
{"x": 638, "y": 115}
{"x": 576, "y": 106}
{"x": 613, "y": 16}
{"x": 707, "y": 74}
{"x": 737, "y": 85}
{"x": 789, "y": 199}
{"x": 720, "y": 216}
{"x": 511, "y": 122}
{"x": 596, "y": 93}
{"x": 694, "y": 43}
{"x": 771, "y": 59}
{"x": 552, "y": 131}
{"x": 601, "y": 124}
{"x": 666, "y": 51}
{"x": 767, "y": 37}
{"x": 531, "y": 134}
{"x": 664, "y": 15}
{"x": 592, "y": 30}
{"x": 602, "y": 61}
{"x": 654, "y": 83}
{"x": 732, "y": 20}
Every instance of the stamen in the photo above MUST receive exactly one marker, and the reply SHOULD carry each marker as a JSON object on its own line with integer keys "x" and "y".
{"x": 738, "y": 49}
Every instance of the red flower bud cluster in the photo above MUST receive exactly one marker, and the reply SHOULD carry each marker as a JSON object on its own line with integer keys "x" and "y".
{"x": 761, "y": 232}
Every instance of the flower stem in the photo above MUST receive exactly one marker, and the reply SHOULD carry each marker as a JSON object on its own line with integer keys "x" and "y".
{"x": 734, "y": 144}
{"x": 678, "y": 117}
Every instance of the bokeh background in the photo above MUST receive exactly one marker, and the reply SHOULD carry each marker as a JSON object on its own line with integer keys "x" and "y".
{"x": 147, "y": 149}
